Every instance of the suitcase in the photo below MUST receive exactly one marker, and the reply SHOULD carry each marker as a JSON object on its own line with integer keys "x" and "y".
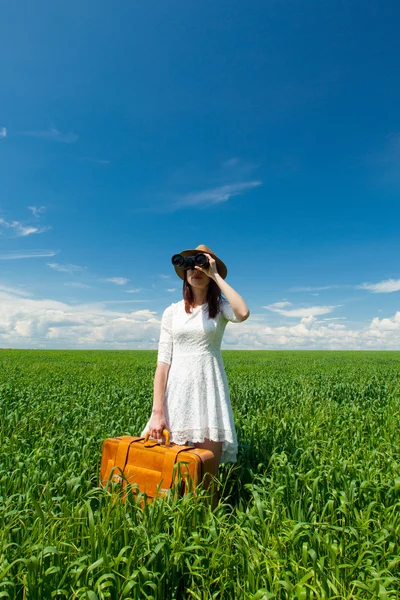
{"x": 153, "y": 468}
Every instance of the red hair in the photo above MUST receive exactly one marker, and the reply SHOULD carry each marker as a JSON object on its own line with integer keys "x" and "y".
{"x": 214, "y": 297}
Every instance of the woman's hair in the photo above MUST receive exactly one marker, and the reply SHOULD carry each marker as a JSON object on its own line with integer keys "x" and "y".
{"x": 214, "y": 297}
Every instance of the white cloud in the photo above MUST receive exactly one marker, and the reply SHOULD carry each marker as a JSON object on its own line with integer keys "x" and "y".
{"x": 53, "y": 135}
{"x": 3, "y": 132}
{"x": 216, "y": 195}
{"x": 21, "y": 230}
{"x": 278, "y": 307}
{"x": 36, "y": 210}
{"x": 117, "y": 280}
{"x": 311, "y": 334}
{"x": 65, "y": 268}
{"x": 383, "y": 287}
{"x": 171, "y": 290}
{"x": 332, "y": 319}
{"x": 77, "y": 284}
{"x": 388, "y": 324}
{"x": 24, "y": 231}
{"x": 46, "y": 323}
{"x": 20, "y": 254}
{"x": 124, "y": 301}
{"x": 13, "y": 291}
{"x": 133, "y": 291}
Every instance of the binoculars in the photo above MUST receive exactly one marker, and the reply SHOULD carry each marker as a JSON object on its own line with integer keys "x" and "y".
{"x": 190, "y": 262}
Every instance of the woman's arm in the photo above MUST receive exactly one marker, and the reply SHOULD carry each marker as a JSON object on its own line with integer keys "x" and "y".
{"x": 157, "y": 421}
{"x": 160, "y": 382}
{"x": 165, "y": 348}
{"x": 236, "y": 301}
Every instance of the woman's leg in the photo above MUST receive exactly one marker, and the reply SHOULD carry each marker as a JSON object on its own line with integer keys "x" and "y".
{"x": 216, "y": 449}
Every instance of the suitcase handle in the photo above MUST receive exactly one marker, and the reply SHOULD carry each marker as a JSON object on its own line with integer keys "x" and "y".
{"x": 165, "y": 433}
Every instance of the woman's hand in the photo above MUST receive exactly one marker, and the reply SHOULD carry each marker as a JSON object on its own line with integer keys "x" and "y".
{"x": 212, "y": 269}
{"x": 156, "y": 425}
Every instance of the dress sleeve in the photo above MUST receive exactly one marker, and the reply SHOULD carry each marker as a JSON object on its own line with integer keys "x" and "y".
{"x": 227, "y": 312}
{"x": 165, "y": 343}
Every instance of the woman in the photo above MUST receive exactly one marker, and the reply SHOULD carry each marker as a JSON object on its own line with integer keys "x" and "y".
{"x": 191, "y": 394}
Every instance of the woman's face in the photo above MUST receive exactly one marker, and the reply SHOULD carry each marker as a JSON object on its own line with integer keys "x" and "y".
{"x": 197, "y": 279}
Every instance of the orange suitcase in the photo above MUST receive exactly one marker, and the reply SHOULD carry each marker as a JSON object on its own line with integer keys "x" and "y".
{"x": 151, "y": 465}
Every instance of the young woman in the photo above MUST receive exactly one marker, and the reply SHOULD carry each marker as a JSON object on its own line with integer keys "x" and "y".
{"x": 191, "y": 394}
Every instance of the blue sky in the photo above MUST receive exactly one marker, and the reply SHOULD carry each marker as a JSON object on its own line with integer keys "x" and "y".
{"x": 267, "y": 130}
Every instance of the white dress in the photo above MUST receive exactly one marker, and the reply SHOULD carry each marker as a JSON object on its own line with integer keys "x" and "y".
{"x": 197, "y": 403}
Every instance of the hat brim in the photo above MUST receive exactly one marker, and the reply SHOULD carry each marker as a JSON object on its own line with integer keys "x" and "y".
{"x": 221, "y": 266}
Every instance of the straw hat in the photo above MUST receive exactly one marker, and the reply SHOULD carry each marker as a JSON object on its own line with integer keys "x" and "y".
{"x": 221, "y": 266}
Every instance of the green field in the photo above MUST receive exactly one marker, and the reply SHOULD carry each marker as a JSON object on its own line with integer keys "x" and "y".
{"x": 311, "y": 509}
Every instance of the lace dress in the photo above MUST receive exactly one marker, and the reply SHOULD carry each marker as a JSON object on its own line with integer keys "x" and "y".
{"x": 197, "y": 403}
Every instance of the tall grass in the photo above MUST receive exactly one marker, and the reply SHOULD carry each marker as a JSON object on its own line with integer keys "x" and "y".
{"x": 310, "y": 510}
